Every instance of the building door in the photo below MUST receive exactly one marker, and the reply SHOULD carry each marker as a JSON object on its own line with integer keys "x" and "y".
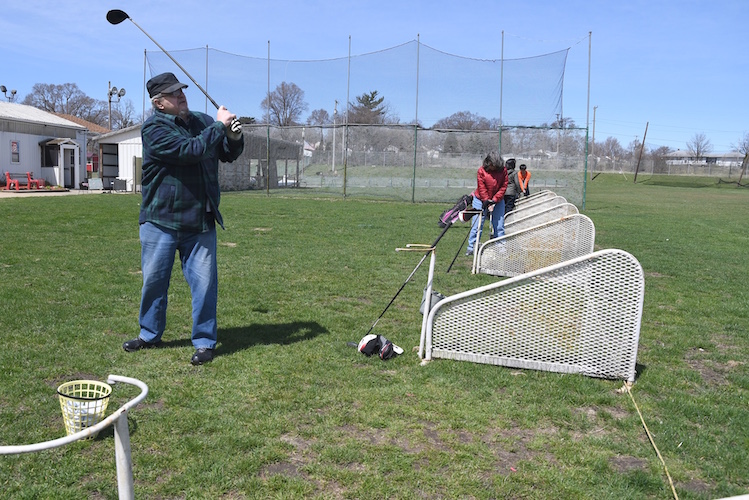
{"x": 138, "y": 173}
{"x": 110, "y": 168}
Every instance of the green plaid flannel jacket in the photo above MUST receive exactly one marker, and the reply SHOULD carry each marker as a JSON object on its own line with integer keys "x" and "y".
{"x": 180, "y": 170}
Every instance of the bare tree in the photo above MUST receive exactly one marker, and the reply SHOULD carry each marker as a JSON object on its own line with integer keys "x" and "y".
{"x": 610, "y": 148}
{"x": 463, "y": 120}
{"x": 285, "y": 104}
{"x": 742, "y": 146}
{"x": 319, "y": 117}
{"x": 634, "y": 148}
{"x": 67, "y": 99}
{"x": 563, "y": 122}
{"x": 699, "y": 146}
{"x": 123, "y": 115}
{"x": 659, "y": 156}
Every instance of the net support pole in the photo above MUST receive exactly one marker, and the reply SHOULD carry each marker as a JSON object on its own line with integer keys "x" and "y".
{"x": 345, "y": 126}
{"x": 501, "y": 82}
{"x": 587, "y": 124}
{"x": 642, "y": 146}
{"x": 743, "y": 167}
{"x": 267, "y": 133}
{"x": 145, "y": 65}
{"x": 416, "y": 120}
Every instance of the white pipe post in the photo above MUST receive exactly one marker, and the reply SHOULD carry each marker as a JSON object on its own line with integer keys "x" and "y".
{"x": 477, "y": 245}
{"x": 123, "y": 458}
{"x": 427, "y": 304}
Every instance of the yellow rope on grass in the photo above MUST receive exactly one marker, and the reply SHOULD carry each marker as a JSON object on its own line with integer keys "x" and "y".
{"x": 627, "y": 387}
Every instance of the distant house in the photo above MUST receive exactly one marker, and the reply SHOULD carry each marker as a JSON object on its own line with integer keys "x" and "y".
{"x": 679, "y": 157}
{"x": 48, "y": 146}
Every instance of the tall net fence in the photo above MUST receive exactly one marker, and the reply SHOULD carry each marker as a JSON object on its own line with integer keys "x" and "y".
{"x": 440, "y": 116}
{"x": 393, "y": 162}
{"x": 417, "y": 82}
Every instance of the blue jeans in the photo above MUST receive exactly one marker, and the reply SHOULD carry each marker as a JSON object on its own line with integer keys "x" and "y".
{"x": 197, "y": 253}
{"x": 497, "y": 221}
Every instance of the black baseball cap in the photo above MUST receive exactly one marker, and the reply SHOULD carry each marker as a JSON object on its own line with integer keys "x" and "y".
{"x": 165, "y": 83}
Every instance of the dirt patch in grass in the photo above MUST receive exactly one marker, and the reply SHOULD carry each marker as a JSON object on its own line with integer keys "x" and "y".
{"x": 513, "y": 446}
{"x": 624, "y": 464}
{"x": 695, "y": 486}
{"x": 287, "y": 469}
{"x": 712, "y": 372}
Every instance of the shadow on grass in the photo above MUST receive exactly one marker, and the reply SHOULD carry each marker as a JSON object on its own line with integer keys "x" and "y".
{"x": 236, "y": 339}
{"x": 677, "y": 182}
{"x": 239, "y": 338}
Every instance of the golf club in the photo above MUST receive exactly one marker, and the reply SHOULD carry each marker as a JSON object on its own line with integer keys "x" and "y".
{"x": 476, "y": 212}
{"x": 458, "y": 252}
{"x": 408, "y": 279}
{"x": 116, "y": 16}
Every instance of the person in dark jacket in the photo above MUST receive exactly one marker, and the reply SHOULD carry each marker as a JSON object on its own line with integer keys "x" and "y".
{"x": 491, "y": 183}
{"x": 513, "y": 186}
{"x": 180, "y": 210}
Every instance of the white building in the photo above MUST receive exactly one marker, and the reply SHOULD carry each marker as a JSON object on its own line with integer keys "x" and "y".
{"x": 47, "y": 146}
{"x": 121, "y": 158}
{"x": 680, "y": 157}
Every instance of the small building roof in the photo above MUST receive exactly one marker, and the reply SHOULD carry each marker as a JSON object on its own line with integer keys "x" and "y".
{"x": 30, "y": 114}
{"x": 114, "y": 135}
{"x": 92, "y": 127}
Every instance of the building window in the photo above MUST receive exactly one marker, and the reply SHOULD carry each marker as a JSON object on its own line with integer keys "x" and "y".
{"x": 15, "y": 154}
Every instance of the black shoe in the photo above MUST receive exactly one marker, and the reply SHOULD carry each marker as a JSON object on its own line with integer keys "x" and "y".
{"x": 202, "y": 355}
{"x": 138, "y": 344}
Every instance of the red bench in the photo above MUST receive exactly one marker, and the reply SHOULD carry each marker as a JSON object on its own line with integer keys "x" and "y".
{"x": 17, "y": 180}
{"x": 39, "y": 183}
{"x": 21, "y": 181}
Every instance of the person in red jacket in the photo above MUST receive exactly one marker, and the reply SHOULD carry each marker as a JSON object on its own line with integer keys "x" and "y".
{"x": 491, "y": 184}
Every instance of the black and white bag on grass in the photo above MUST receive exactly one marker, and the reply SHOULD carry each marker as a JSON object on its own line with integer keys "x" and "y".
{"x": 377, "y": 344}
{"x": 456, "y": 213}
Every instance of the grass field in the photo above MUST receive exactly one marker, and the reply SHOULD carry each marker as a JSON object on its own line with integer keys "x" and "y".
{"x": 288, "y": 410}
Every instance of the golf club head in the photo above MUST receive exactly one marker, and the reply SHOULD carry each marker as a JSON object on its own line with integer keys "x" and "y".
{"x": 116, "y": 16}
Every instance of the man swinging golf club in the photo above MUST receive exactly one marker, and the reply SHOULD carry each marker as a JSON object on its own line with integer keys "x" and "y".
{"x": 180, "y": 209}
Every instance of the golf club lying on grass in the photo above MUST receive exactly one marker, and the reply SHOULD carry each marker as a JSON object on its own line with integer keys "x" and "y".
{"x": 116, "y": 16}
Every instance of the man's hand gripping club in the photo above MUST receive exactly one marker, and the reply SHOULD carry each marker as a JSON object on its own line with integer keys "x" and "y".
{"x": 233, "y": 125}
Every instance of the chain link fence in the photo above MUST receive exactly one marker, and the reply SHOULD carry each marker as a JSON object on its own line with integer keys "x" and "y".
{"x": 389, "y": 162}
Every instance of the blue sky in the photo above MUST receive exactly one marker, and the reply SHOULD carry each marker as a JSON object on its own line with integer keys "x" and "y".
{"x": 679, "y": 66}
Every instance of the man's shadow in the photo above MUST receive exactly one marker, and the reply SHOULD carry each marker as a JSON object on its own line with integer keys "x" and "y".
{"x": 235, "y": 339}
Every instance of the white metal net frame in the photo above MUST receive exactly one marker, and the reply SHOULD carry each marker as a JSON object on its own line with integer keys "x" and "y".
{"x": 538, "y": 195}
{"x": 540, "y": 246}
{"x": 534, "y": 207}
{"x": 582, "y": 316}
{"x": 535, "y": 219}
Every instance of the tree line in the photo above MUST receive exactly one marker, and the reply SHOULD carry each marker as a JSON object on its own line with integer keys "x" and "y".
{"x": 286, "y": 104}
